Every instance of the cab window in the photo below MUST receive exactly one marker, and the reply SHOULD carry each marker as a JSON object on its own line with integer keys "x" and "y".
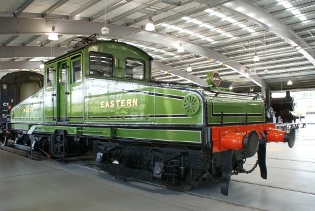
{"x": 63, "y": 76}
{"x": 76, "y": 69}
{"x": 135, "y": 69}
{"x": 49, "y": 77}
{"x": 101, "y": 65}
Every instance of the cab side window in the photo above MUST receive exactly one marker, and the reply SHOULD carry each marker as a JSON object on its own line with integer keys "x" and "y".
{"x": 49, "y": 77}
{"x": 64, "y": 75}
{"x": 135, "y": 69}
{"x": 101, "y": 65}
{"x": 76, "y": 69}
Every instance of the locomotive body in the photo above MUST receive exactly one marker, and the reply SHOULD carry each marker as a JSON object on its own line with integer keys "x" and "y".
{"x": 283, "y": 107}
{"x": 101, "y": 97}
{"x": 16, "y": 87}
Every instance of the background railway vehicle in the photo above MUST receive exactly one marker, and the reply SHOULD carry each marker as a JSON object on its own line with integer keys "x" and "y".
{"x": 100, "y": 96}
{"x": 284, "y": 112}
{"x": 14, "y": 88}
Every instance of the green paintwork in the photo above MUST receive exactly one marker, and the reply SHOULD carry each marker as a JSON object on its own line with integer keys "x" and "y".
{"x": 30, "y": 109}
{"x": 100, "y": 106}
{"x": 160, "y": 135}
{"x": 24, "y": 127}
{"x": 100, "y": 132}
{"x": 51, "y": 129}
{"x": 235, "y": 110}
{"x": 47, "y": 128}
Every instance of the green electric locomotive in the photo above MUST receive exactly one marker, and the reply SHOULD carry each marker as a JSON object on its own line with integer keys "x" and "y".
{"x": 100, "y": 97}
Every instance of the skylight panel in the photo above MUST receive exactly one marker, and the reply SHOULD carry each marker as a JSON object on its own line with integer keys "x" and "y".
{"x": 205, "y": 25}
{"x": 231, "y": 20}
{"x": 154, "y": 49}
{"x": 191, "y": 33}
{"x": 293, "y": 10}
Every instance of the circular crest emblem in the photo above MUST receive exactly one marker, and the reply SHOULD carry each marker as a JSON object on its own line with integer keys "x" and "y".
{"x": 191, "y": 104}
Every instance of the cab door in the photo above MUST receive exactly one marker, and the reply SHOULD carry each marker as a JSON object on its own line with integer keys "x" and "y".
{"x": 62, "y": 95}
{"x": 50, "y": 97}
{"x": 75, "y": 112}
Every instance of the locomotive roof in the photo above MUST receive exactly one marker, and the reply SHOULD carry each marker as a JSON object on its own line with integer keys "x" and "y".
{"x": 11, "y": 77}
{"x": 93, "y": 43}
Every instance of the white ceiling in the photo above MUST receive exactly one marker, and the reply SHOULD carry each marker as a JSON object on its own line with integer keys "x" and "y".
{"x": 216, "y": 35}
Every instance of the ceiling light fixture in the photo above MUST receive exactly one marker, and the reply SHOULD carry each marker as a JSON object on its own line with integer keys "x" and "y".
{"x": 256, "y": 58}
{"x": 53, "y": 35}
{"x": 105, "y": 29}
{"x": 150, "y": 26}
{"x": 180, "y": 48}
{"x": 289, "y": 82}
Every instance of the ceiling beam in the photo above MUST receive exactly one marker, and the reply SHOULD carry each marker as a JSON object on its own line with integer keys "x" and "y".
{"x": 31, "y": 51}
{"x": 35, "y": 26}
{"x": 10, "y": 40}
{"x": 52, "y": 8}
{"x": 130, "y": 12}
{"x": 213, "y": 3}
{"x": 82, "y": 8}
{"x": 9, "y": 65}
{"x": 109, "y": 7}
{"x": 17, "y": 12}
{"x": 252, "y": 12}
{"x": 30, "y": 40}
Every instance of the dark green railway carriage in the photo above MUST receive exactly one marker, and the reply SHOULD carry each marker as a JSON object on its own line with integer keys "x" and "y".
{"x": 101, "y": 97}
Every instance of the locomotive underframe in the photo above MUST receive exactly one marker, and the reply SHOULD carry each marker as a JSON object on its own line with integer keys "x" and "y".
{"x": 57, "y": 145}
{"x": 179, "y": 166}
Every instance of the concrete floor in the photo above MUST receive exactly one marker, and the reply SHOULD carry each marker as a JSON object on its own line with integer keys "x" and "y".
{"x": 48, "y": 185}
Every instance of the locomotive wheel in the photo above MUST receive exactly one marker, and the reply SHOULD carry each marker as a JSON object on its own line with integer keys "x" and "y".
{"x": 180, "y": 185}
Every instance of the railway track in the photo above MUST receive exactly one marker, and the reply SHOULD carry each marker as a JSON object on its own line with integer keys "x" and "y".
{"x": 213, "y": 193}
{"x": 33, "y": 155}
{"x": 159, "y": 184}
{"x": 275, "y": 187}
{"x": 88, "y": 162}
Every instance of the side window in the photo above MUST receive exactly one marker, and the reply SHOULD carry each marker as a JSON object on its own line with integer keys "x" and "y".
{"x": 135, "y": 68}
{"x": 49, "y": 77}
{"x": 64, "y": 77}
{"x": 76, "y": 69}
{"x": 101, "y": 64}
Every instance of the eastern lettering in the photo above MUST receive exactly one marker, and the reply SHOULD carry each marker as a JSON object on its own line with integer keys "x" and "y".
{"x": 120, "y": 103}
